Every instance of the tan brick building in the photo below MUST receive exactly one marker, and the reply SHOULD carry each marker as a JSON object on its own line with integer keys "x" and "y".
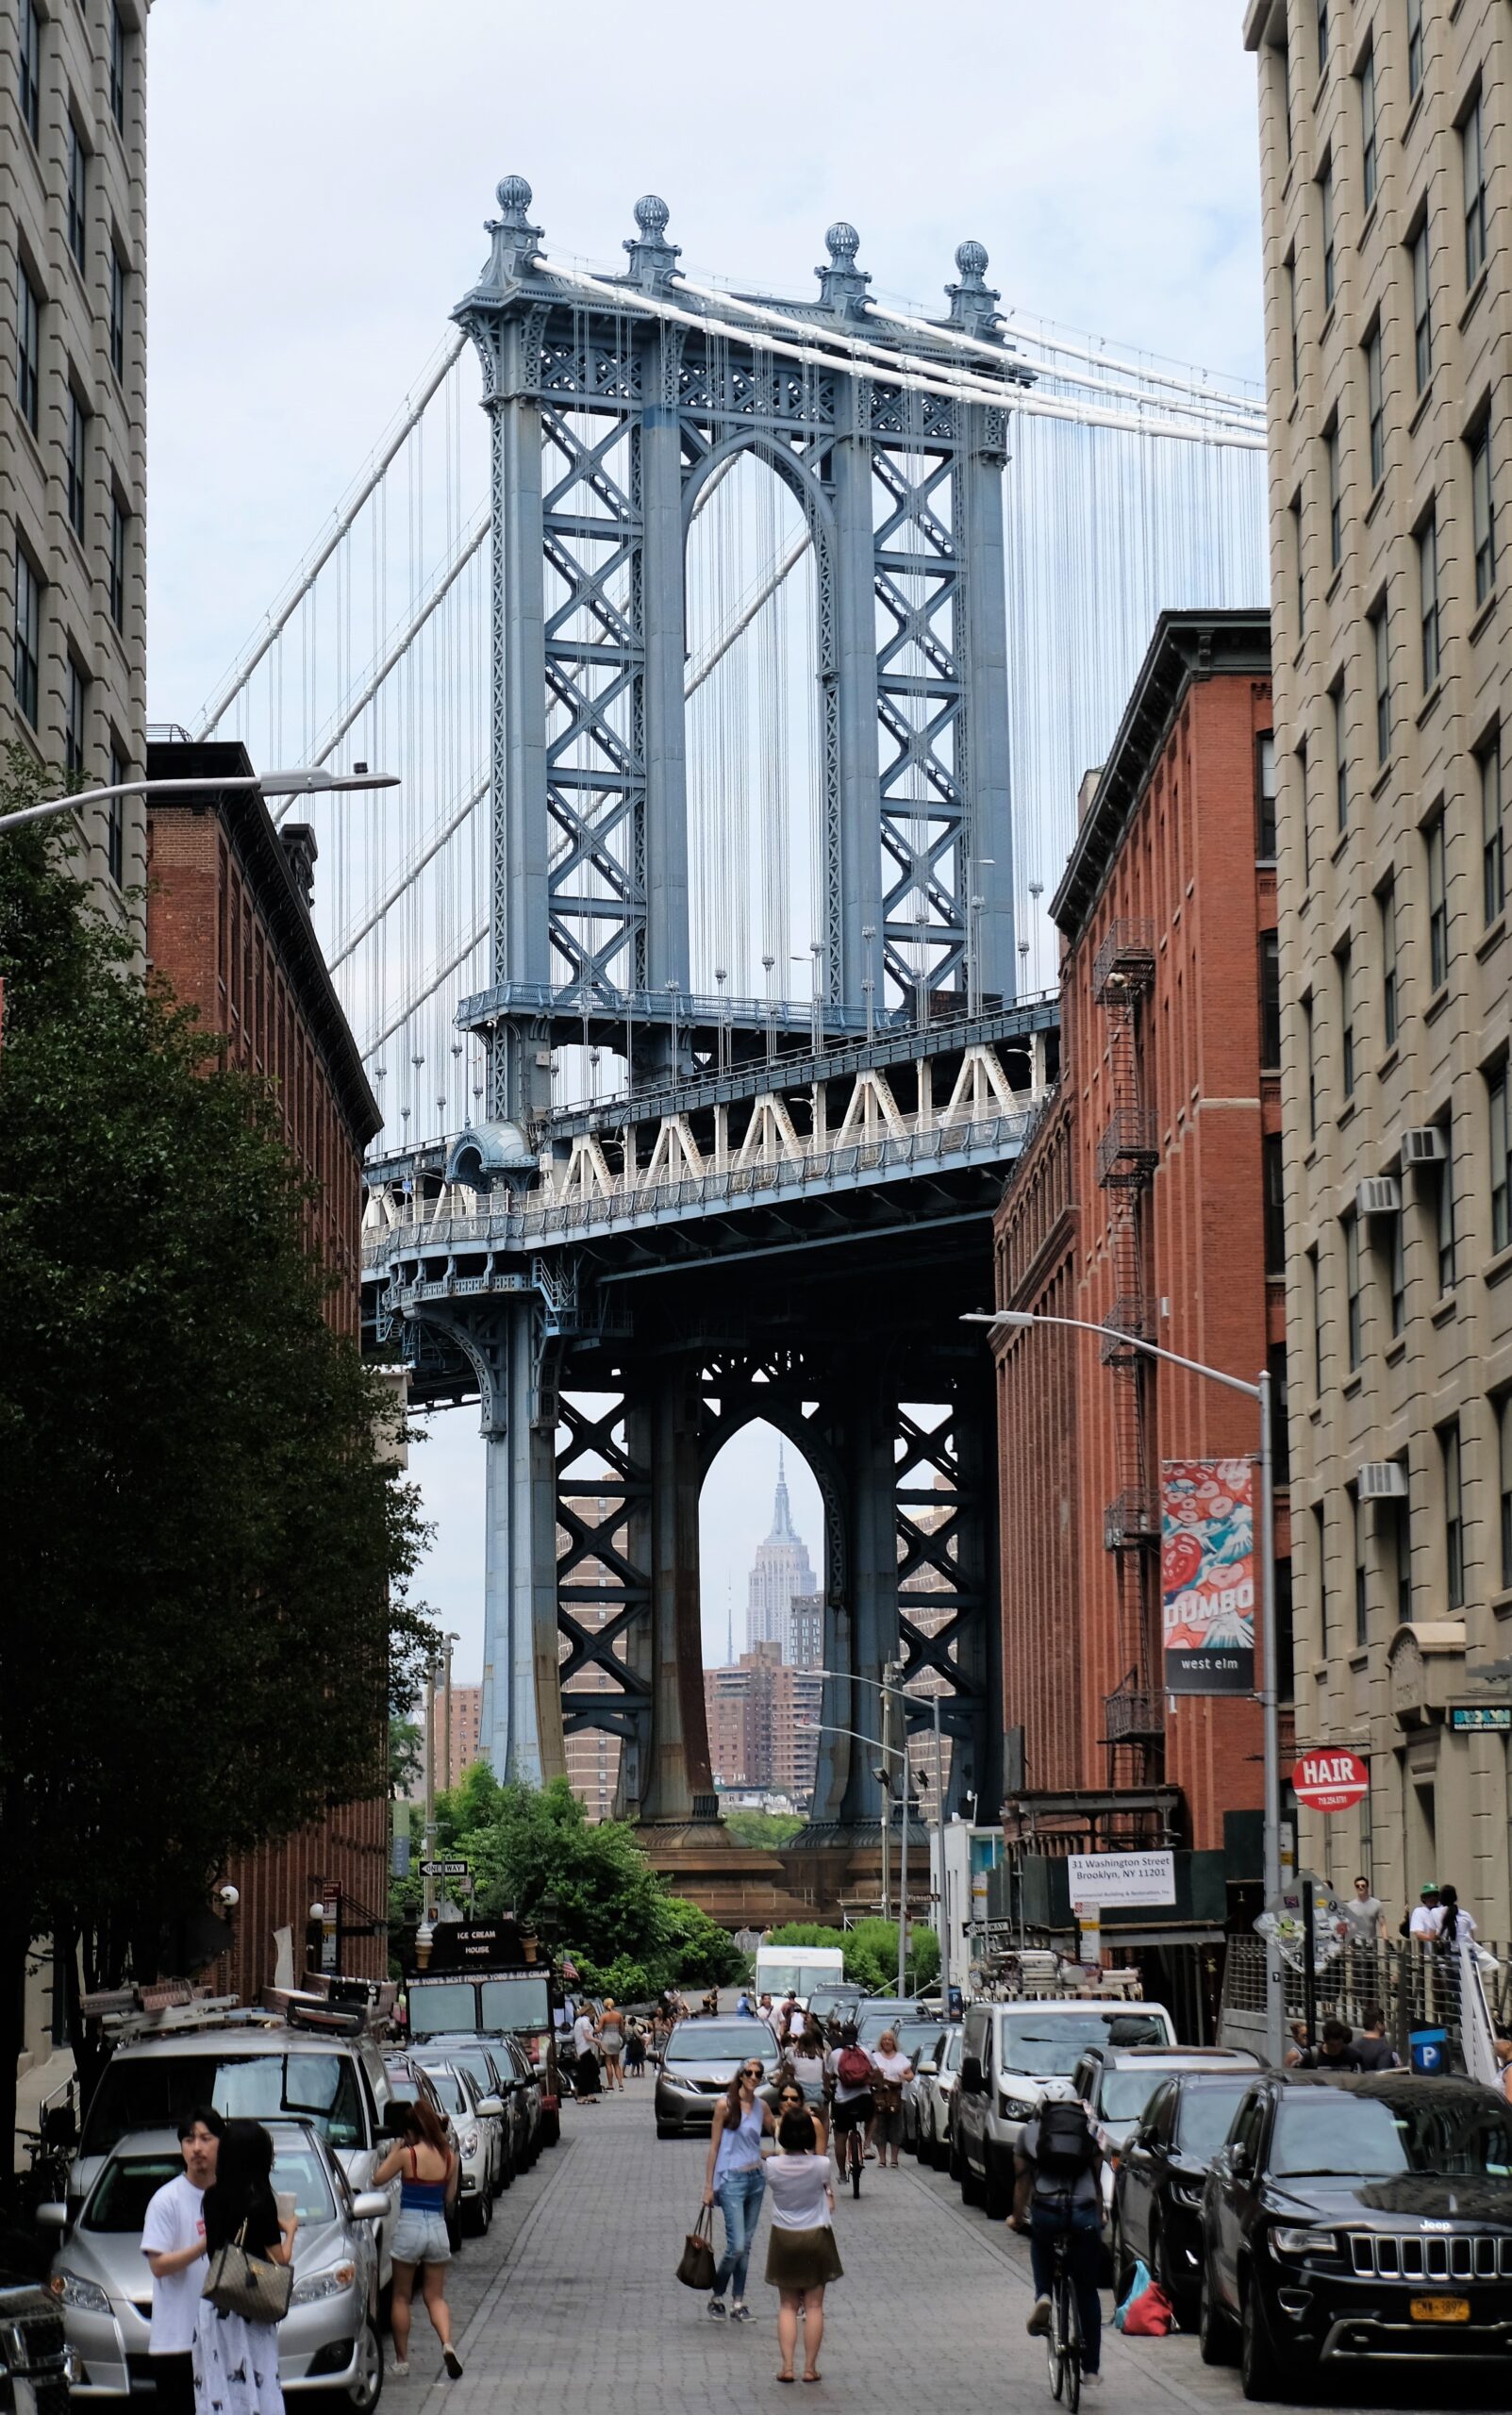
{"x": 1387, "y": 167}
{"x": 72, "y": 407}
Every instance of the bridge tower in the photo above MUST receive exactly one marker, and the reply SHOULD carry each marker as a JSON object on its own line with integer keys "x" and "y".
{"x": 785, "y": 1209}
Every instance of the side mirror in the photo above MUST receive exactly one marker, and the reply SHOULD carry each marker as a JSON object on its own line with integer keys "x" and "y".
{"x": 1238, "y": 2161}
{"x": 972, "y": 2080}
{"x": 369, "y": 2204}
{"x": 490, "y": 2106}
{"x": 928, "y": 2070}
{"x": 52, "y": 2215}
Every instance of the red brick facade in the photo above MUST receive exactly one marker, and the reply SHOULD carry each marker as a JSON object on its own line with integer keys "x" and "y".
{"x": 1167, "y": 851}
{"x": 229, "y": 932}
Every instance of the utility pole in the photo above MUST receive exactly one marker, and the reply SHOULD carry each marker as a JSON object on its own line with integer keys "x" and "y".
{"x": 942, "y": 1896}
{"x": 428, "y": 1888}
{"x": 904, "y": 1792}
{"x": 446, "y": 1714}
{"x": 885, "y": 1775}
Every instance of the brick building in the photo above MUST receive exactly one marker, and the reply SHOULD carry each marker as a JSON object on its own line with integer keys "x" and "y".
{"x": 759, "y": 1714}
{"x": 1148, "y": 1199}
{"x": 230, "y": 931}
{"x": 466, "y": 1734}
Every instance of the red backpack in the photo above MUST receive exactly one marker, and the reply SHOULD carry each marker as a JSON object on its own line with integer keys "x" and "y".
{"x": 854, "y": 2066}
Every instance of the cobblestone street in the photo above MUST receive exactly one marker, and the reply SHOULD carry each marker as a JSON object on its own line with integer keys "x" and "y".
{"x": 572, "y": 2303}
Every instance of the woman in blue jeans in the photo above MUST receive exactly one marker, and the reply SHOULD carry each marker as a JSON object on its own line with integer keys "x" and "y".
{"x": 736, "y": 2179}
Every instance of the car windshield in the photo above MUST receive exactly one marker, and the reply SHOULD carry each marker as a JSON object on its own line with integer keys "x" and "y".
{"x": 1324, "y": 2130}
{"x": 1125, "y": 2094}
{"x": 120, "y": 2197}
{"x": 723, "y": 2041}
{"x": 917, "y": 2038}
{"x": 155, "y": 2092}
{"x": 1048, "y": 2044}
{"x": 951, "y": 2059}
{"x": 449, "y": 2089}
{"x": 795, "y": 1978}
{"x": 1204, "y": 2117}
{"x": 475, "y": 2062}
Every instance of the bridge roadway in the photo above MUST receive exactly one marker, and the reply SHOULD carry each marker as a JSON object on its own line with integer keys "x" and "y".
{"x": 570, "y": 2307}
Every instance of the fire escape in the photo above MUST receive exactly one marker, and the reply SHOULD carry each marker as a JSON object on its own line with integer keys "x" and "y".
{"x": 1127, "y": 1153}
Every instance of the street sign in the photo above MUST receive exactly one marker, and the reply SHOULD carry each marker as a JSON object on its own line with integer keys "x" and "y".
{"x": 445, "y": 1870}
{"x": 1089, "y": 1933}
{"x": 1104, "y": 1878}
{"x": 1480, "y": 1718}
{"x": 1330, "y": 1781}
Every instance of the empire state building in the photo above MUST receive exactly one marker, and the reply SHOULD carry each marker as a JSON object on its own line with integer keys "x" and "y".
{"x": 781, "y": 1572}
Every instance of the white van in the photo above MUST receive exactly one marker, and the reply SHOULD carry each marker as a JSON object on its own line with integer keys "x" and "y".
{"x": 797, "y": 1970}
{"x": 1008, "y": 2053}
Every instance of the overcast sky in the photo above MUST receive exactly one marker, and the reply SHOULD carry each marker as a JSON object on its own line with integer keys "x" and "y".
{"x": 318, "y": 173}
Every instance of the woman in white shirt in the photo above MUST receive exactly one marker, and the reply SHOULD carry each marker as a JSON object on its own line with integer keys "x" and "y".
{"x": 802, "y": 2257}
{"x": 892, "y": 2069}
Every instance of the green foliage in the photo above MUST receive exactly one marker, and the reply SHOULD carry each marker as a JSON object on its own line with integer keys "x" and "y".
{"x": 772, "y": 1830}
{"x": 870, "y": 1951}
{"x": 205, "y": 1556}
{"x": 406, "y": 1748}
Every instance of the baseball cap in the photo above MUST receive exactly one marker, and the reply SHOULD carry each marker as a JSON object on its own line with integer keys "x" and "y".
{"x": 1431, "y": 1888}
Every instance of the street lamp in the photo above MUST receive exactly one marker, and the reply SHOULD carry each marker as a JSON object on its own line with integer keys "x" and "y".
{"x": 942, "y": 1901}
{"x": 314, "y": 782}
{"x": 1260, "y": 1392}
{"x": 894, "y": 1753}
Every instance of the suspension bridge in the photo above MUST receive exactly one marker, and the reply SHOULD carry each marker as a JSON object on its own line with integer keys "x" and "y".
{"x": 740, "y": 657}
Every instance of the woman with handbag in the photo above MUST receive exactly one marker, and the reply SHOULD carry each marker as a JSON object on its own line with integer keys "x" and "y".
{"x": 249, "y": 2240}
{"x": 735, "y": 2176}
{"x": 428, "y": 2174}
{"x": 802, "y": 2257}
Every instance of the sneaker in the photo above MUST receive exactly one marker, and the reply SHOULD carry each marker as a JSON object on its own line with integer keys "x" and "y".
{"x": 1039, "y": 2323}
{"x": 452, "y": 2361}
{"x": 740, "y": 2312}
{"x": 716, "y": 2307}
{"x": 400, "y": 2371}
{"x": 1092, "y": 2381}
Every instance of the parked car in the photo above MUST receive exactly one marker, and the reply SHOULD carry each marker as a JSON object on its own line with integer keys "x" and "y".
{"x": 1349, "y": 2220}
{"x": 703, "y": 2057}
{"x": 34, "y": 2357}
{"x": 269, "y": 2071}
{"x": 1008, "y": 2052}
{"x": 408, "y": 2078}
{"x": 527, "y": 2093}
{"x": 328, "y": 2341}
{"x": 1158, "y": 2195}
{"x": 926, "y": 2098}
{"x": 481, "y": 2126}
{"x": 842, "y": 2003}
{"x": 877, "y": 2013}
{"x": 1115, "y": 2083}
{"x": 492, "y": 2067}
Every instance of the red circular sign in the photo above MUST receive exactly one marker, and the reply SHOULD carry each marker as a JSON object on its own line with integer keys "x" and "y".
{"x": 1330, "y": 1781}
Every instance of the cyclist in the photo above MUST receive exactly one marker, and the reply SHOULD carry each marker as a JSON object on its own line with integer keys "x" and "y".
{"x": 848, "y": 2068}
{"x": 1059, "y": 2195}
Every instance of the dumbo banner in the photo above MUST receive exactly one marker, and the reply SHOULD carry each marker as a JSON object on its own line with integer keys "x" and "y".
{"x": 1207, "y": 1575}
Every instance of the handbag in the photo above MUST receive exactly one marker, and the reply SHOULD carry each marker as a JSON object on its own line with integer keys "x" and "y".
{"x": 250, "y": 2286}
{"x": 695, "y": 2266}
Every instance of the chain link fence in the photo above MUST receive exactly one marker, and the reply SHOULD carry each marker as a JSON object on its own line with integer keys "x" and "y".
{"x": 1414, "y": 1986}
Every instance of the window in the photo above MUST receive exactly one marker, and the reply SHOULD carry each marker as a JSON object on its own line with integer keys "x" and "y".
{"x": 1428, "y": 599}
{"x": 1389, "y": 963}
{"x": 1280, "y": 1430}
{"x": 1397, "y": 1271}
{"x": 1297, "y": 565}
{"x": 118, "y": 561}
{"x": 1368, "y": 126}
{"x": 117, "y": 314}
{"x": 1501, "y": 1158}
{"x": 1291, "y": 308}
{"x": 1320, "y": 1540}
{"x": 1402, "y": 1557}
{"x": 1444, "y": 1214}
{"x": 1437, "y": 905}
{"x": 28, "y": 345}
{"x": 1336, "y": 699}
{"x": 1311, "y": 1053}
{"x": 1483, "y": 512}
{"x": 73, "y": 720}
{"x": 118, "y": 71}
{"x": 1414, "y": 48}
{"x": 1357, "y": 1530}
{"x": 1276, "y": 1205}
{"x": 1503, "y": 1482}
{"x": 79, "y": 442}
{"x": 78, "y": 193}
{"x": 1493, "y": 851}
{"x": 1381, "y": 653}
{"x": 1322, "y": 37}
{"x": 1304, "y": 793}
{"x": 1346, "y": 1018}
{"x": 28, "y": 634}
{"x": 28, "y": 69}
{"x": 1375, "y": 405}
{"x": 1316, "y": 1302}
{"x": 1472, "y": 157}
{"x": 1453, "y": 1518}
{"x": 1335, "y": 498}
{"x": 1422, "y": 342}
{"x": 1269, "y": 1002}
{"x": 1265, "y": 799}
{"x": 115, "y": 817}
{"x": 1325, "y": 197}
{"x": 1355, "y": 1322}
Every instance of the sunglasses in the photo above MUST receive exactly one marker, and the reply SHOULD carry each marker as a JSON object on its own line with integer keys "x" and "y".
{"x": 752, "y": 2070}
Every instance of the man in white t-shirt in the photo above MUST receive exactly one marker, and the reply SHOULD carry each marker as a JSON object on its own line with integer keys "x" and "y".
{"x": 1424, "y": 1925}
{"x": 173, "y": 2241}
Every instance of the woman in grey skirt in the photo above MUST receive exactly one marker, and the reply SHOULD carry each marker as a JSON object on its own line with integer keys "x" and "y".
{"x": 802, "y": 2257}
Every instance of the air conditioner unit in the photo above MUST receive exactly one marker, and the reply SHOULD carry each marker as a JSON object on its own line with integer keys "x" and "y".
{"x": 1382, "y": 1481}
{"x": 1425, "y": 1145}
{"x": 1379, "y": 1195}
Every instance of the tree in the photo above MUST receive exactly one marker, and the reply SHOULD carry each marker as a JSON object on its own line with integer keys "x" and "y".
{"x": 772, "y": 1830}
{"x": 870, "y": 1951}
{"x": 205, "y": 1555}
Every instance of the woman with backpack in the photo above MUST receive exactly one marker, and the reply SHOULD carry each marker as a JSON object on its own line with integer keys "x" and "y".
{"x": 849, "y": 2069}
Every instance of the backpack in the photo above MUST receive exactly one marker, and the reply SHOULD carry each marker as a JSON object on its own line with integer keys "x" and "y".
{"x": 1065, "y": 2143}
{"x": 853, "y": 2067}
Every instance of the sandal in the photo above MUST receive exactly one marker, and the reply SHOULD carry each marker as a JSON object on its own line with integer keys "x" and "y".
{"x": 786, "y": 2377}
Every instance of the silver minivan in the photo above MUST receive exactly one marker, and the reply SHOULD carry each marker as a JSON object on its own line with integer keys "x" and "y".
{"x": 1008, "y": 2053}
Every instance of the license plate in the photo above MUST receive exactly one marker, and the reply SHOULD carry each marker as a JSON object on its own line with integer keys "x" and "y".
{"x": 1440, "y": 2309}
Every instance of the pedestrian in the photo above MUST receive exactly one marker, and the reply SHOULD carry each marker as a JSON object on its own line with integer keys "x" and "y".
{"x": 793, "y": 2097}
{"x": 1455, "y": 1926}
{"x": 735, "y": 2176}
{"x": 635, "y": 2049}
{"x": 236, "y": 2362}
{"x": 1363, "y": 1913}
{"x": 610, "y": 2037}
{"x": 1058, "y": 2195}
{"x": 789, "y": 2021}
{"x": 802, "y": 2257}
{"x": 892, "y": 2068}
{"x": 766, "y": 2012}
{"x": 743, "y": 2005}
{"x": 1422, "y": 1923}
{"x": 1501, "y": 2047}
{"x": 173, "y": 2241}
{"x": 429, "y": 2175}
{"x": 1334, "y": 2052}
{"x": 1374, "y": 2050}
{"x": 849, "y": 2087}
{"x": 807, "y": 2060}
{"x": 585, "y": 2057}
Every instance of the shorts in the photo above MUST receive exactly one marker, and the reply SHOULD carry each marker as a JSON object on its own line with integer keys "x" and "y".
{"x": 420, "y": 2237}
{"x": 853, "y": 2114}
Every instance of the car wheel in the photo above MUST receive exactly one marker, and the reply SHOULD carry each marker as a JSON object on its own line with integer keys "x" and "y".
{"x": 477, "y": 2214}
{"x": 663, "y": 2131}
{"x": 972, "y": 2190}
{"x": 506, "y": 2175}
{"x": 1259, "y": 2366}
{"x": 1123, "y": 2262}
{"x": 953, "y": 2159}
{"x": 1215, "y": 2335}
{"x": 364, "y": 2392}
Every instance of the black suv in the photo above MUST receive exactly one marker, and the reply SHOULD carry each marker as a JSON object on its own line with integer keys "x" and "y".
{"x": 1348, "y": 2219}
{"x": 1158, "y": 2196}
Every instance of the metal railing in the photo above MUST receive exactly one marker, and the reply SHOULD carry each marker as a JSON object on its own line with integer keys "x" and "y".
{"x": 1132, "y": 1718}
{"x": 1416, "y": 1987}
{"x": 1128, "y": 1150}
{"x": 1127, "y": 959}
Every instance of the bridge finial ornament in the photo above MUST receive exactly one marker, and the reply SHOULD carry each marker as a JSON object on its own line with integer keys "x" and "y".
{"x": 843, "y": 285}
{"x": 973, "y": 302}
{"x": 516, "y": 242}
{"x": 652, "y": 260}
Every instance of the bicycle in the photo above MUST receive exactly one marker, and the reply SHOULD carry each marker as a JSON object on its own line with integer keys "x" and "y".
{"x": 1063, "y": 2340}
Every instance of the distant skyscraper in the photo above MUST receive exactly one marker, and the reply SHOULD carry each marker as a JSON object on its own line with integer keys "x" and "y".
{"x": 782, "y": 1569}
